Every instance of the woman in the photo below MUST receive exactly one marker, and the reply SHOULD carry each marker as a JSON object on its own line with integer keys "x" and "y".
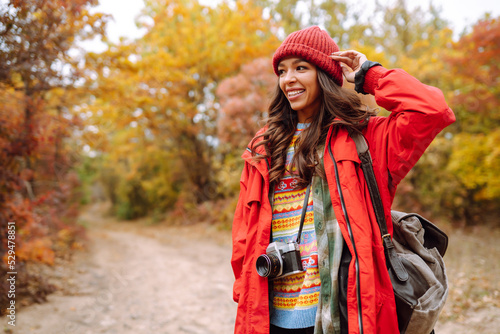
{"x": 309, "y": 116}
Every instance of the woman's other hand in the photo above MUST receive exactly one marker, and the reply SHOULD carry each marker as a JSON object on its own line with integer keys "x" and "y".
{"x": 350, "y": 61}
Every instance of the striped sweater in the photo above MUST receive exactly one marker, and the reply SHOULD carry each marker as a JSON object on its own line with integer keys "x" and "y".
{"x": 295, "y": 297}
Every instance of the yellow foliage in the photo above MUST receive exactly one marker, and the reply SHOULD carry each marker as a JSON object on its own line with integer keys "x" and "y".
{"x": 153, "y": 102}
{"x": 475, "y": 160}
{"x": 370, "y": 52}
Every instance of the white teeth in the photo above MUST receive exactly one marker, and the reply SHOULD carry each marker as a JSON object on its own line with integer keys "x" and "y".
{"x": 295, "y": 92}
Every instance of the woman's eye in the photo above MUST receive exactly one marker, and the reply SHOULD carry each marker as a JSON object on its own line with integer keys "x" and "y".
{"x": 301, "y": 68}
{"x": 281, "y": 72}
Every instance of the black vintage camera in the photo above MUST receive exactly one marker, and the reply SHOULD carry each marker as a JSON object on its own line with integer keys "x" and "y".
{"x": 281, "y": 259}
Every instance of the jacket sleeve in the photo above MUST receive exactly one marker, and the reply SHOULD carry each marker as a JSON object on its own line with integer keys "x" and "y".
{"x": 418, "y": 113}
{"x": 239, "y": 234}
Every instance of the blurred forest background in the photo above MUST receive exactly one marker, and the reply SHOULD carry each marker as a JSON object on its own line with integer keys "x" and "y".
{"x": 156, "y": 125}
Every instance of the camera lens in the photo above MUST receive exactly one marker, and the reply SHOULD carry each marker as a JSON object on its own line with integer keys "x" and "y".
{"x": 268, "y": 265}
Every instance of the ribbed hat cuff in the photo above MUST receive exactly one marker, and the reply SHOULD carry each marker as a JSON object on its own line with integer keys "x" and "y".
{"x": 314, "y": 56}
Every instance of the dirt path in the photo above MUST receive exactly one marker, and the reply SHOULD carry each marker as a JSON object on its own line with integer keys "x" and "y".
{"x": 141, "y": 279}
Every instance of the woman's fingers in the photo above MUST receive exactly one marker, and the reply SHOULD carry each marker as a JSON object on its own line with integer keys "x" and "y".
{"x": 348, "y": 73}
{"x": 346, "y": 60}
{"x": 350, "y": 61}
{"x": 351, "y": 58}
{"x": 347, "y": 52}
{"x": 350, "y": 54}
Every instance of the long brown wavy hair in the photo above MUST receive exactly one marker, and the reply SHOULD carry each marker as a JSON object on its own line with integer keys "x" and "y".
{"x": 338, "y": 106}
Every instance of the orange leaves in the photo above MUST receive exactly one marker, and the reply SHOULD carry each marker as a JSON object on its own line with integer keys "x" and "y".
{"x": 482, "y": 45}
{"x": 475, "y": 63}
{"x": 38, "y": 250}
{"x": 37, "y": 78}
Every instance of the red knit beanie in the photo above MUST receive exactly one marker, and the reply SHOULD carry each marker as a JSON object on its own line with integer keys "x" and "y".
{"x": 313, "y": 45}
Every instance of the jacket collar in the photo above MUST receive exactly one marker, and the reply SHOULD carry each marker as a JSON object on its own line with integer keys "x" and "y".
{"x": 343, "y": 146}
{"x": 261, "y": 165}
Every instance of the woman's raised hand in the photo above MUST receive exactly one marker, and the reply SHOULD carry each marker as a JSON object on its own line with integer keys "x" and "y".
{"x": 350, "y": 61}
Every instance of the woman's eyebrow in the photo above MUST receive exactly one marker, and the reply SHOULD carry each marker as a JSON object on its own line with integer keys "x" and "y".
{"x": 296, "y": 61}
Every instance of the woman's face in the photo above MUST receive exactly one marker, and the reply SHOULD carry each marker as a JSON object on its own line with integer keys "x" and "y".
{"x": 298, "y": 80}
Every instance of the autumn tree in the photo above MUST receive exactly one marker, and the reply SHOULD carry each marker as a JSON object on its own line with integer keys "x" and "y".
{"x": 475, "y": 155}
{"x": 476, "y": 69}
{"x": 36, "y": 39}
{"x": 244, "y": 99}
{"x": 36, "y": 72}
{"x": 343, "y": 20}
{"x": 457, "y": 177}
{"x": 155, "y": 97}
{"x": 398, "y": 27}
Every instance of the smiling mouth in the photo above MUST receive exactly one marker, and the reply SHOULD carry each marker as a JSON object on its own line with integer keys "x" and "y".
{"x": 295, "y": 93}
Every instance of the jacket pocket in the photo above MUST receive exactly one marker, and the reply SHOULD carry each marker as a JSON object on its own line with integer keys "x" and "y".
{"x": 254, "y": 188}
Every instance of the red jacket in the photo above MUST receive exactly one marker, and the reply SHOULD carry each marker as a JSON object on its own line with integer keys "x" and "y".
{"x": 396, "y": 142}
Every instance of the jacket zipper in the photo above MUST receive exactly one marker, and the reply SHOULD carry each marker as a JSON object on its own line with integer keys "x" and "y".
{"x": 271, "y": 200}
{"x": 349, "y": 229}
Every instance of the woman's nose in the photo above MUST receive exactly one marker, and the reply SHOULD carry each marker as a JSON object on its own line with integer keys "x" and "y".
{"x": 289, "y": 77}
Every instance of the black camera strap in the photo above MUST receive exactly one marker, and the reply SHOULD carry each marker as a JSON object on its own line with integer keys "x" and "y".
{"x": 304, "y": 206}
{"x": 304, "y": 211}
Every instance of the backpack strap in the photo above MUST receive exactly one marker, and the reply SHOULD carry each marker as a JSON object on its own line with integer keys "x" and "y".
{"x": 378, "y": 207}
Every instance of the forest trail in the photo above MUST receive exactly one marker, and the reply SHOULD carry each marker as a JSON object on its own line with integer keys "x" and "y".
{"x": 153, "y": 278}
{"x": 139, "y": 278}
